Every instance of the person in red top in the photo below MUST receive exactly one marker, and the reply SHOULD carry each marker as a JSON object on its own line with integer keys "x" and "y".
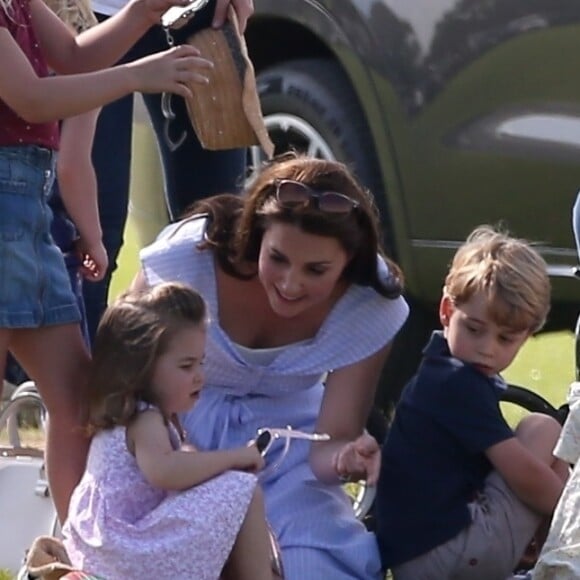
{"x": 39, "y": 317}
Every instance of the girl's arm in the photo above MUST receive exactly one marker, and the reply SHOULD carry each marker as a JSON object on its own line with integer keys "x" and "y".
{"x": 348, "y": 398}
{"x": 41, "y": 99}
{"x": 100, "y": 46}
{"x": 77, "y": 184}
{"x": 171, "y": 469}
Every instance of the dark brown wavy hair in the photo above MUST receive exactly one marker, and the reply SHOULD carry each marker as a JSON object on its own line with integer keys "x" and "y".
{"x": 133, "y": 333}
{"x": 237, "y": 223}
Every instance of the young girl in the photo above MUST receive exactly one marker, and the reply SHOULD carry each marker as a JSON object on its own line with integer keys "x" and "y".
{"x": 38, "y": 311}
{"x": 147, "y": 507}
{"x": 75, "y": 225}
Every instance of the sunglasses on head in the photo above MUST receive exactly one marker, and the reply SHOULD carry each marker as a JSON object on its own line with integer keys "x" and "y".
{"x": 293, "y": 194}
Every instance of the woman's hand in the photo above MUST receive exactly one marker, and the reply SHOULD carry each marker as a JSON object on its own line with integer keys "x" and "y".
{"x": 243, "y": 8}
{"x": 359, "y": 459}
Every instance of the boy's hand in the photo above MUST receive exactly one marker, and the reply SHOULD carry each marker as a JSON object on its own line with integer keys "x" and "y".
{"x": 244, "y": 9}
{"x": 359, "y": 459}
{"x": 170, "y": 71}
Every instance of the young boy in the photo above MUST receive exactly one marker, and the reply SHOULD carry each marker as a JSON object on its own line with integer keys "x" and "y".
{"x": 460, "y": 495}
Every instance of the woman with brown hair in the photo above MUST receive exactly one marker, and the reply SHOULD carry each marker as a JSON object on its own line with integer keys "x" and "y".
{"x": 304, "y": 306}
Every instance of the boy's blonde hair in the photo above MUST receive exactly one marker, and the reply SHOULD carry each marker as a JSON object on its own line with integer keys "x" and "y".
{"x": 511, "y": 274}
{"x": 76, "y": 13}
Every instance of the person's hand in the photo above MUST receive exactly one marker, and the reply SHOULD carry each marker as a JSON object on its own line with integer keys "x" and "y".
{"x": 152, "y": 10}
{"x": 93, "y": 258}
{"x": 359, "y": 459}
{"x": 249, "y": 459}
{"x": 170, "y": 71}
{"x": 243, "y": 8}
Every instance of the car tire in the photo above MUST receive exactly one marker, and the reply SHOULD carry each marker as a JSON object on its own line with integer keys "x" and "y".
{"x": 310, "y": 106}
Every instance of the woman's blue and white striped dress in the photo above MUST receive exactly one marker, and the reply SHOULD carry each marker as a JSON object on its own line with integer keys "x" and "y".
{"x": 314, "y": 522}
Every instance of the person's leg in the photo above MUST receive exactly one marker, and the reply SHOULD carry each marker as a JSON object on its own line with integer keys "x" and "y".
{"x": 539, "y": 434}
{"x": 250, "y": 555}
{"x": 192, "y": 172}
{"x": 56, "y": 358}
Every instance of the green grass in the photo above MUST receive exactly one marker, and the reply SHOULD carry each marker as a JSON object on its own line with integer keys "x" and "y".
{"x": 546, "y": 366}
{"x": 127, "y": 263}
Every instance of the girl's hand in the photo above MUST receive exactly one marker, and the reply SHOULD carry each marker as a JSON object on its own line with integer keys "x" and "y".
{"x": 359, "y": 459}
{"x": 249, "y": 459}
{"x": 170, "y": 71}
{"x": 244, "y": 9}
{"x": 94, "y": 260}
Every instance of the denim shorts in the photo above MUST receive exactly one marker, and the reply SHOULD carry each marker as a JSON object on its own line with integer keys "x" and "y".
{"x": 34, "y": 284}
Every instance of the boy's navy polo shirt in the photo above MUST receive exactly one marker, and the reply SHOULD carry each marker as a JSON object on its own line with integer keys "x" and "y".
{"x": 433, "y": 461}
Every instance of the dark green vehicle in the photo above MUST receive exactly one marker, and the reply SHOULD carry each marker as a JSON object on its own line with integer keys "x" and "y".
{"x": 453, "y": 112}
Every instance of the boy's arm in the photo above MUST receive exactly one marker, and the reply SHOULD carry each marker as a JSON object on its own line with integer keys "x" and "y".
{"x": 530, "y": 479}
{"x": 78, "y": 188}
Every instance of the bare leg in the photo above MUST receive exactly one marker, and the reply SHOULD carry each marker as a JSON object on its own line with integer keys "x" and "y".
{"x": 56, "y": 358}
{"x": 250, "y": 556}
{"x": 539, "y": 434}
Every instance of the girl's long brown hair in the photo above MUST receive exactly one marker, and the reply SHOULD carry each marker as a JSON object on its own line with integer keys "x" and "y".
{"x": 133, "y": 333}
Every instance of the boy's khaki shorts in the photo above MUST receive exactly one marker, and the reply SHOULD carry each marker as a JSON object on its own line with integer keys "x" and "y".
{"x": 489, "y": 549}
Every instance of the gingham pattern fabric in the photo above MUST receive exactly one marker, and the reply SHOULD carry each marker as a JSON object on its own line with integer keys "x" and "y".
{"x": 317, "y": 531}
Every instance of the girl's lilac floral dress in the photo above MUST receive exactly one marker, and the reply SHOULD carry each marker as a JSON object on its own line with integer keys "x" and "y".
{"x": 120, "y": 527}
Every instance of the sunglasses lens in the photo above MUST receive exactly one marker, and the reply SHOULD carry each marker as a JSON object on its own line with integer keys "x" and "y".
{"x": 293, "y": 193}
{"x": 263, "y": 441}
{"x": 332, "y": 202}
{"x": 296, "y": 194}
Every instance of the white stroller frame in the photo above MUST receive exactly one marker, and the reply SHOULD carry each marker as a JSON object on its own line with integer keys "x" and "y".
{"x": 26, "y": 508}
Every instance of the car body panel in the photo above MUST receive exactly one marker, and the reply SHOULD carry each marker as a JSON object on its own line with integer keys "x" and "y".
{"x": 474, "y": 107}
{"x": 474, "y": 111}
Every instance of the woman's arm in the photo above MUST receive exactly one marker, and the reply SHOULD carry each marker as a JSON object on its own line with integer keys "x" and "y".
{"x": 171, "y": 469}
{"x": 100, "y": 46}
{"x": 42, "y": 99}
{"x": 77, "y": 184}
{"x": 348, "y": 398}
{"x": 139, "y": 282}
